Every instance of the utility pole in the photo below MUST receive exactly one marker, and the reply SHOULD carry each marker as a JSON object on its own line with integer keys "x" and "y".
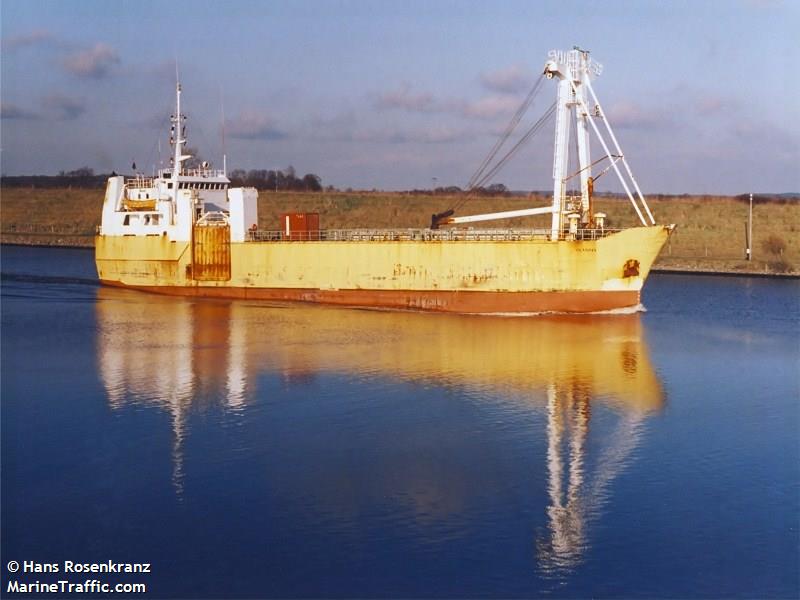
{"x": 750, "y": 230}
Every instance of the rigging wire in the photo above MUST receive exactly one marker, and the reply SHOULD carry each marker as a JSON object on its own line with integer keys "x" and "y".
{"x": 488, "y": 175}
{"x": 615, "y": 158}
{"x": 525, "y": 138}
{"x": 533, "y": 130}
{"x": 481, "y": 175}
{"x": 523, "y": 108}
{"x": 161, "y": 127}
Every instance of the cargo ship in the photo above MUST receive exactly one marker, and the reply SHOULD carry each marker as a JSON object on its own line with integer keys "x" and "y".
{"x": 186, "y": 231}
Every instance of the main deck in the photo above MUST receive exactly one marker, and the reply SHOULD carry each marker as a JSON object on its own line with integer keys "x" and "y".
{"x": 426, "y": 235}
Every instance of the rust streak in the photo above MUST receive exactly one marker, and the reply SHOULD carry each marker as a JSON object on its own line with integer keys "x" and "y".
{"x": 436, "y": 300}
{"x": 631, "y": 268}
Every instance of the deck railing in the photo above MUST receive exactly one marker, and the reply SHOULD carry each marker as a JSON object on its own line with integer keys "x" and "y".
{"x": 195, "y": 172}
{"x": 139, "y": 183}
{"x": 422, "y": 235}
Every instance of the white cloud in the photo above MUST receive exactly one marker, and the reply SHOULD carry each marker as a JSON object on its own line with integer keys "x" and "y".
{"x": 64, "y": 108}
{"x": 709, "y": 105}
{"x": 31, "y": 38}
{"x": 94, "y": 63}
{"x": 491, "y": 107}
{"x": 431, "y": 135}
{"x": 13, "y": 111}
{"x": 403, "y": 98}
{"x": 345, "y": 127}
{"x": 515, "y": 78}
{"x": 782, "y": 144}
{"x": 251, "y": 125}
{"x": 629, "y": 115}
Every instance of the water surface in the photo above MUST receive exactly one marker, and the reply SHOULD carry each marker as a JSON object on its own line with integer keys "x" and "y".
{"x": 248, "y": 449}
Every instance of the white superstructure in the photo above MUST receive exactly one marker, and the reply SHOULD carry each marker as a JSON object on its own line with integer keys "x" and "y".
{"x": 170, "y": 203}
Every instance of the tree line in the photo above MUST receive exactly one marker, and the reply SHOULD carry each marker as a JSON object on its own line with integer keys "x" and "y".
{"x": 85, "y": 177}
{"x": 276, "y": 180}
{"x": 79, "y": 178}
{"x": 496, "y": 189}
{"x": 287, "y": 180}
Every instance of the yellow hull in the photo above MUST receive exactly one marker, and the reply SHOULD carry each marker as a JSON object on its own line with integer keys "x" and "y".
{"x": 456, "y": 276}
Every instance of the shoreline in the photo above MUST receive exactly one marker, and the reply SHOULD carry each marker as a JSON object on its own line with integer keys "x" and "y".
{"x": 725, "y": 273}
{"x": 47, "y": 240}
{"x": 663, "y": 269}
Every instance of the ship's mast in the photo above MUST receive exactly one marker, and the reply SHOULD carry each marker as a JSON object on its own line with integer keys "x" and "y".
{"x": 572, "y": 69}
{"x": 584, "y": 153}
{"x": 561, "y": 153}
{"x": 575, "y": 70}
{"x": 177, "y": 136}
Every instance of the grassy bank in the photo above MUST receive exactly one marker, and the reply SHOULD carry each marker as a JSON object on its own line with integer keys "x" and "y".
{"x": 710, "y": 234}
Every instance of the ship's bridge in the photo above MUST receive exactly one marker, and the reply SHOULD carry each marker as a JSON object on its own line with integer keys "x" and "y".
{"x": 197, "y": 174}
{"x": 196, "y": 179}
{"x": 188, "y": 179}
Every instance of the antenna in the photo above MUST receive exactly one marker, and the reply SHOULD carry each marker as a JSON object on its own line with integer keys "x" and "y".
{"x": 178, "y": 129}
{"x": 224, "y": 156}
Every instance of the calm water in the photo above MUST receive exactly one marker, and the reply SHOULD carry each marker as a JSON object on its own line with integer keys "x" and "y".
{"x": 247, "y": 449}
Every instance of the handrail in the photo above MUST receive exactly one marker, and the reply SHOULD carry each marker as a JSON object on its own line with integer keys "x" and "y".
{"x": 202, "y": 172}
{"x": 423, "y": 235}
{"x": 139, "y": 182}
{"x": 213, "y": 218}
{"x": 196, "y": 172}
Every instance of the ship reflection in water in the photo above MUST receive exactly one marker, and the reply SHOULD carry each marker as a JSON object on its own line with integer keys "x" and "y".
{"x": 181, "y": 355}
{"x": 576, "y": 491}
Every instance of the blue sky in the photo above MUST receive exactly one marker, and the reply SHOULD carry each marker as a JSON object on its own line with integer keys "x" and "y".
{"x": 390, "y": 95}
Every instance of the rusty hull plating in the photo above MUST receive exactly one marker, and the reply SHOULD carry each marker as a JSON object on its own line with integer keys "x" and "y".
{"x": 454, "y": 276}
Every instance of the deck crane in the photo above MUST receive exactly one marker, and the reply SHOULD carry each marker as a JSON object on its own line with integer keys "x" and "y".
{"x": 574, "y": 71}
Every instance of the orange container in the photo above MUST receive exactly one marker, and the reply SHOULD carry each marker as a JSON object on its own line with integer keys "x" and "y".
{"x": 300, "y": 227}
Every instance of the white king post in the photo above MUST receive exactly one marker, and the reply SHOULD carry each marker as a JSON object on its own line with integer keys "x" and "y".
{"x": 575, "y": 71}
{"x": 572, "y": 69}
